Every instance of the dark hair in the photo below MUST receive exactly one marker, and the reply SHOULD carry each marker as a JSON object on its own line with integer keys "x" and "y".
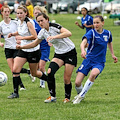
{"x": 44, "y": 15}
{"x": 85, "y": 9}
{"x": 100, "y": 17}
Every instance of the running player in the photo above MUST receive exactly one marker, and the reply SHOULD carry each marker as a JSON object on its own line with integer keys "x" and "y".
{"x": 8, "y": 25}
{"x": 65, "y": 54}
{"x": 25, "y": 34}
{"x": 95, "y": 59}
{"x": 86, "y": 20}
{"x": 44, "y": 47}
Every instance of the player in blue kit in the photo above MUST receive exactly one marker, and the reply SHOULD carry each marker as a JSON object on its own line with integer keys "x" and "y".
{"x": 44, "y": 47}
{"x": 86, "y": 20}
{"x": 98, "y": 39}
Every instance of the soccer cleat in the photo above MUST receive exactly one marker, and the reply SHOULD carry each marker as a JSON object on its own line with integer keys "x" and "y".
{"x": 78, "y": 100}
{"x": 42, "y": 83}
{"x": 32, "y": 78}
{"x": 66, "y": 100}
{"x": 13, "y": 95}
{"x": 75, "y": 98}
{"x": 50, "y": 99}
{"x": 22, "y": 88}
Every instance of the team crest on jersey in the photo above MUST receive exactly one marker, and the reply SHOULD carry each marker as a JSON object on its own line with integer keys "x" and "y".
{"x": 105, "y": 38}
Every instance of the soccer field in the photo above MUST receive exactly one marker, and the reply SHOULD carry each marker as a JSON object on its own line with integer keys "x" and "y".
{"x": 102, "y": 102}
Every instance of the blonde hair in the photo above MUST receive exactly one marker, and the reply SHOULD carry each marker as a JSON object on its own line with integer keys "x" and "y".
{"x": 24, "y": 8}
{"x": 28, "y": 2}
{"x": 42, "y": 9}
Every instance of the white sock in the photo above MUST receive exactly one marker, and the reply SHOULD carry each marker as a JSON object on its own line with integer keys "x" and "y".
{"x": 79, "y": 89}
{"x": 86, "y": 87}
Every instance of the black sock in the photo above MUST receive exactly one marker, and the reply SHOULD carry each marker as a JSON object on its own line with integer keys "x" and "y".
{"x": 44, "y": 77}
{"x": 68, "y": 88}
{"x": 24, "y": 70}
{"x": 51, "y": 85}
{"x": 20, "y": 83}
{"x": 16, "y": 81}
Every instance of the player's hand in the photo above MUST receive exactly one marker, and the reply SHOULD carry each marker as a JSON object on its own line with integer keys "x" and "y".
{"x": 18, "y": 47}
{"x": 18, "y": 41}
{"x": 1, "y": 44}
{"x": 50, "y": 38}
{"x": 19, "y": 37}
{"x": 83, "y": 54}
{"x": 115, "y": 59}
{"x": 76, "y": 22}
{"x": 9, "y": 35}
{"x": 50, "y": 44}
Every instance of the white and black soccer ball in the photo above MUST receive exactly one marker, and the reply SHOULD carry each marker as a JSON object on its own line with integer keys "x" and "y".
{"x": 3, "y": 78}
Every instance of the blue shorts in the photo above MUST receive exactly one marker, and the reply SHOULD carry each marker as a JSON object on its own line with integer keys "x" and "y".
{"x": 45, "y": 54}
{"x": 88, "y": 65}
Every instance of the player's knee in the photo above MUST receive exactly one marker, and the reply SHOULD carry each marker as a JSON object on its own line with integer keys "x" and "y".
{"x": 77, "y": 84}
{"x": 67, "y": 79}
{"x": 94, "y": 74}
{"x": 49, "y": 70}
{"x": 42, "y": 68}
{"x": 53, "y": 67}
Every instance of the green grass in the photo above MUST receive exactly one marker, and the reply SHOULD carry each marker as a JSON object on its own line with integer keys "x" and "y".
{"x": 96, "y": 106}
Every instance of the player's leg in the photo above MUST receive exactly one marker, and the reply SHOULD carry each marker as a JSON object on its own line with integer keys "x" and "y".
{"x": 42, "y": 64}
{"x": 53, "y": 67}
{"x": 88, "y": 84}
{"x": 18, "y": 64}
{"x": 45, "y": 52}
{"x": 78, "y": 82}
{"x": 67, "y": 81}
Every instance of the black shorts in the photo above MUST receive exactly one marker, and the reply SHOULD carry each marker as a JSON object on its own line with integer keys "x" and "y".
{"x": 69, "y": 57}
{"x": 32, "y": 57}
{"x": 10, "y": 53}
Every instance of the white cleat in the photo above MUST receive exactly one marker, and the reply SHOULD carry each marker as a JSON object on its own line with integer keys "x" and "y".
{"x": 75, "y": 98}
{"x": 78, "y": 100}
{"x": 50, "y": 99}
{"x": 32, "y": 78}
{"x": 22, "y": 89}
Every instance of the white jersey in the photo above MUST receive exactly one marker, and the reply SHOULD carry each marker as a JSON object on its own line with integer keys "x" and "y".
{"x": 61, "y": 46}
{"x": 24, "y": 31}
{"x": 5, "y": 29}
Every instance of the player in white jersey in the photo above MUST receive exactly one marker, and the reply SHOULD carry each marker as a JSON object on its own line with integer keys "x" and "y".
{"x": 65, "y": 54}
{"x": 8, "y": 25}
{"x": 25, "y": 34}
{"x": 44, "y": 47}
{"x": 98, "y": 39}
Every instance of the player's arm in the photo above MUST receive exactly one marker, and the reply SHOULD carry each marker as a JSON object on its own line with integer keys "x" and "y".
{"x": 63, "y": 34}
{"x": 88, "y": 26}
{"x": 82, "y": 47}
{"x": 76, "y": 22}
{"x": 12, "y": 34}
{"x": 30, "y": 45}
{"x": 1, "y": 44}
{"x": 112, "y": 52}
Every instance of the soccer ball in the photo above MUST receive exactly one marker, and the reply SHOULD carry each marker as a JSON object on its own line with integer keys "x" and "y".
{"x": 3, "y": 78}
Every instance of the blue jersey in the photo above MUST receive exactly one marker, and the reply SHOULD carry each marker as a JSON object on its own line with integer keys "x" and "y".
{"x": 44, "y": 43}
{"x": 88, "y": 20}
{"x": 97, "y": 45}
